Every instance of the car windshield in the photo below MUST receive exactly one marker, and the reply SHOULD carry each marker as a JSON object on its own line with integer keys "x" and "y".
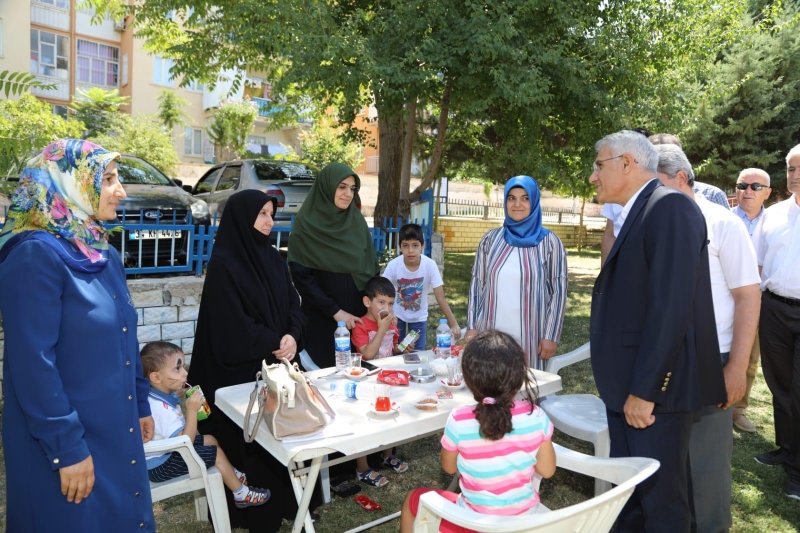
{"x": 139, "y": 172}
{"x": 268, "y": 172}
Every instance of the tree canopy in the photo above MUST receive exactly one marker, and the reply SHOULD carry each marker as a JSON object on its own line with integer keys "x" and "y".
{"x": 532, "y": 84}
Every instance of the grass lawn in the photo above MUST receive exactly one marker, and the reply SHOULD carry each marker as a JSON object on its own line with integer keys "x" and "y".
{"x": 758, "y": 502}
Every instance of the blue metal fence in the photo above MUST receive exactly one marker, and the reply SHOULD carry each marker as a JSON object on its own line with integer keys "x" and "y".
{"x": 174, "y": 246}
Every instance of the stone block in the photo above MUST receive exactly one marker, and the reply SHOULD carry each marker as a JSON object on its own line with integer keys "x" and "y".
{"x": 148, "y": 333}
{"x": 188, "y": 357}
{"x": 139, "y": 317}
{"x": 188, "y": 312}
{"x": 187, "y": 345}
{"x": 152, "y": 298}
{"x": 160, "y": 315}
{"x": 177, "y": 330}
{"x": 191, "y": 300}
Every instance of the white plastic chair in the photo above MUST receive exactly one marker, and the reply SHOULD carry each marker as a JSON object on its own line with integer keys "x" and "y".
{"x": 207, "y": 485}
{"x": 582, "y": 416}
{"x": 596, "y": 515}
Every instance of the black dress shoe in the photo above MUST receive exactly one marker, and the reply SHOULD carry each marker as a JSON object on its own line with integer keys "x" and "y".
{"x": 774, "y": 458}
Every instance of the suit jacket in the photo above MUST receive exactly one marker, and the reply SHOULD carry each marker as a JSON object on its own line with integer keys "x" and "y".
{"x": 653, "y": 331}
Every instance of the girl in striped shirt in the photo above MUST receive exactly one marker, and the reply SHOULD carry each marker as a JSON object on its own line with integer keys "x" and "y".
{"x": 500, "y": 443}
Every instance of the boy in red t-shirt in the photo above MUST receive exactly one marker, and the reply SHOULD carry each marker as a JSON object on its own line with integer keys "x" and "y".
{"x": 377, "y": 337}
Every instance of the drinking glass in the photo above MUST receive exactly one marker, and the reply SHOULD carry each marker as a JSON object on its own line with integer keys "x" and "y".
{"x": 383, "y": 395}
{"x": 454, "y": 372}
{"x": 355, "y": 360}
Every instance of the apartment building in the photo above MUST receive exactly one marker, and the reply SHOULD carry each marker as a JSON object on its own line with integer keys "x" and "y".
{"x": 60, "y": 46}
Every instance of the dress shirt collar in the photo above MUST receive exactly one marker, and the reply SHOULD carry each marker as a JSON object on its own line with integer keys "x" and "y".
{"x": 627, "y": 208}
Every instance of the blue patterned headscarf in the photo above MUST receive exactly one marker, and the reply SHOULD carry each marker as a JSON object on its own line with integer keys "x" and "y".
{"x": 59, "y": 195}
{"x": 528, "y": 231}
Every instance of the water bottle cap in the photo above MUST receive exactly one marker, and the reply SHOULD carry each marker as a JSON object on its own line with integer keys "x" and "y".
{"x": 442, "y": 321}
{"x": 340, "y": 323}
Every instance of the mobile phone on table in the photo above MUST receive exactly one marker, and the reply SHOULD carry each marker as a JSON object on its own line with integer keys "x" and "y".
{"x": 369, "y": 366}
{"x": 411, "y": 358}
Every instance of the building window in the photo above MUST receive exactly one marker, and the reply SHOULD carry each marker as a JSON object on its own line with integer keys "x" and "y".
{"x": 98, "y": 64}
{"x": 61, "y": 4}
{"x": 195, "y": 86}
{"x": 124, "y": 70}
{"x": 193, "y": 143}
{"x": 49, "y": 54}
{"x": 61, "y": 110}
{"x": 161, "y": 74}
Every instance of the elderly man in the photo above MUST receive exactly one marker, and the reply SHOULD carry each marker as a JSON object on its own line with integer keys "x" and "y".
{"x": 611, "y": 211}
{"x": 779, "y": 327}
{"x": 752, "y": 190}
{"x": 655, "y": 354}
{"x": 737, "y": 300}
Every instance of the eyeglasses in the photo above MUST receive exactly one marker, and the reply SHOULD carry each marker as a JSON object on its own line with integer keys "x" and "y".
{"x": 597, "y": 165}
{"x": 353, "y": 188}
{"x": 754, "y": 186}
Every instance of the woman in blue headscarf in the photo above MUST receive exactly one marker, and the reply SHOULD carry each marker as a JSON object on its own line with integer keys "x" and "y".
{"x": 519, "y": 281}
{"x": 76, "y": 410}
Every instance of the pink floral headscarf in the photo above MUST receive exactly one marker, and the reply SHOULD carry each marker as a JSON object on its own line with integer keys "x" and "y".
{"x": 60, "y": 194}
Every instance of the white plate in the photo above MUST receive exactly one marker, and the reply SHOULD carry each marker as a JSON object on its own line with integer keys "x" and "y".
{"x": 363, "y": 375}
{"x": 453, "y": 387}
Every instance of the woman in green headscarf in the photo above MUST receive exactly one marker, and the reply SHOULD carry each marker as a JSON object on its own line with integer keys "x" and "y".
{"x": 331, "y": 257}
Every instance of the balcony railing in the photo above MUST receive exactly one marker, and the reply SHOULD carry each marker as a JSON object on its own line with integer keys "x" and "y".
{"x": 262, "y": 106}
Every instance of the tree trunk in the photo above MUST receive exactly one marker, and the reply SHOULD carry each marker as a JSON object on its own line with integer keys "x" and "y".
{"x": 438, "y": 149}
{"x": 581, "y": 229}
{"x": 408, "y": 146}
{"x": 390, "y": 160}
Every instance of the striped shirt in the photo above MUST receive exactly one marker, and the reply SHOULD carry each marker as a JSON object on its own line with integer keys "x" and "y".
{"x": 496, "y": 476}
{"x": 542, "y": 294}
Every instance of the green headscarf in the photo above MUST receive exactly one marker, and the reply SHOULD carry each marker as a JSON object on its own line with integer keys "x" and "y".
{"x": 325, "y": 237}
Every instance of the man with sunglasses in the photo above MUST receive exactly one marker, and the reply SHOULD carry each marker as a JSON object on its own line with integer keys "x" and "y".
{"x": 779, "y": 325}
{"x": 752, "y": 189}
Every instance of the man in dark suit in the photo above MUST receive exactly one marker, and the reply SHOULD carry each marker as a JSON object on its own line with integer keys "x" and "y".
{"x": 655, "y": 354}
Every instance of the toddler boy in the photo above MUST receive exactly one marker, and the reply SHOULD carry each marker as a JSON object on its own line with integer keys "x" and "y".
{"x": 163, "y": 366}
{"x": 414, "y": 274}
{"x": 377, "y": 337}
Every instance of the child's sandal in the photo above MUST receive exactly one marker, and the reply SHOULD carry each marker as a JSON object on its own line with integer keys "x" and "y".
{"x": 395, "y": 463}
{"x": 372, "y": 478}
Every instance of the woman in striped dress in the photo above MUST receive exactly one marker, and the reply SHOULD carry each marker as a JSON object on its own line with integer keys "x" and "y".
{"x": 519, "y": 281}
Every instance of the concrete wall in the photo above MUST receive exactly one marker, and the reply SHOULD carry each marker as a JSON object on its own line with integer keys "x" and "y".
{"x": 462, "y": 235}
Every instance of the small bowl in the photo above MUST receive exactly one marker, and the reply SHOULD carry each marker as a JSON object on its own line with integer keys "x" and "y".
{"x": 453, "y": 387}
{"x": 347, "y": 372}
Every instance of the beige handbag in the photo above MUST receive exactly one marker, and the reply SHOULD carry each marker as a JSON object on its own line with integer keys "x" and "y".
{"x": 290, "y": 404}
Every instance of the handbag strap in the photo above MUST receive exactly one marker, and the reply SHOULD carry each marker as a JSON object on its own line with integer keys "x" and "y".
{"x": 262, "y": 403}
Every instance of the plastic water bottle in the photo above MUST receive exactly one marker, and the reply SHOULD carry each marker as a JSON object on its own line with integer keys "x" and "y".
{"x": 341, "y": 340}
{"x": 348, "y": 389}
{"x": 443, "y": 339}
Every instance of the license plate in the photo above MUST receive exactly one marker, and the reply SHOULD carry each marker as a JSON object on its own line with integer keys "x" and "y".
{"x": 149, "y": 234}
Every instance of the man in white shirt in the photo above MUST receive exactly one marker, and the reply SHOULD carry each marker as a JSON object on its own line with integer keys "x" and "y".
{"x": 737, "y": 300}
{"x": 752, "y": 189}
{"x": 779, "y": 328}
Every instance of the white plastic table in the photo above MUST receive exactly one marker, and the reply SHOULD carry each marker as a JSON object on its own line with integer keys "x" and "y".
{"x": 355, "y": 431}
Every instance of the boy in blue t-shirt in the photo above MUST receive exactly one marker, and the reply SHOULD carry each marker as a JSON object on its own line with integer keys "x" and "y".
{"x": 414, "y": 275}
{"x": 163, "y": 366}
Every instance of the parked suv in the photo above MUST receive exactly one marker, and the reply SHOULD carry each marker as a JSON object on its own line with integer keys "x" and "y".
{"x": 153, "y": 198}
{"x": 288, "y": 181}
